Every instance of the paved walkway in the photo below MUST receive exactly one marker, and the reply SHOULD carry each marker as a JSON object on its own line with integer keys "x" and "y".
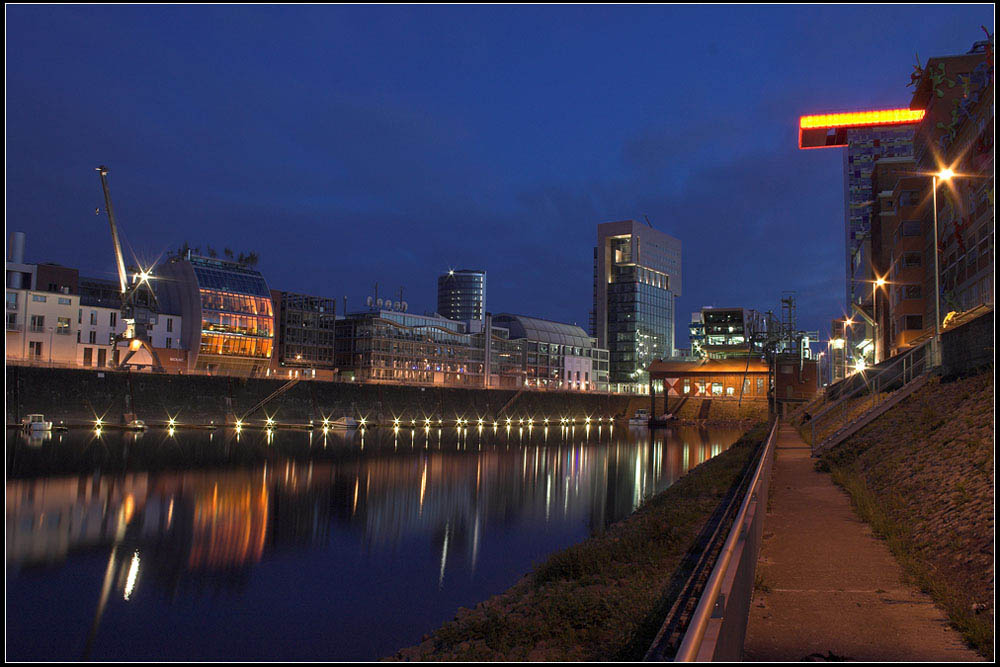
{"x": 833, "y": 590}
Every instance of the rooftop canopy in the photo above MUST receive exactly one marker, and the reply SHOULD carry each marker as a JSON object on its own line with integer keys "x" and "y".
{"x": 544, "y": 331}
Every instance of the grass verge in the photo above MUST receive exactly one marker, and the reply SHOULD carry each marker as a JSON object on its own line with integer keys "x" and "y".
{"x": 602, "y": 599}
{"x": 922, "y": 476}
{"x": 977, "y": 629}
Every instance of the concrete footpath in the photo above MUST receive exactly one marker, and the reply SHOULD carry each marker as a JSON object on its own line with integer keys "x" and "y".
{"x": 828, "y": 589}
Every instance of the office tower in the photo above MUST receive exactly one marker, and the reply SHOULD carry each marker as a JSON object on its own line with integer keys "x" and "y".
{"x": 462, "y": 295}
{"x": 637, "y": 276}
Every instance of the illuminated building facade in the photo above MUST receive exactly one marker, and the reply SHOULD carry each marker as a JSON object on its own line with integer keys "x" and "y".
{"x": 405, "y": 348}
{"x": 958, "y": 133}
{"x": 304, "y": 332}
{"x": 226, "y": 310}
{"x": 637, "y": 277}
{"x": 557, "y": 355}
{"x": 462, "y": 295}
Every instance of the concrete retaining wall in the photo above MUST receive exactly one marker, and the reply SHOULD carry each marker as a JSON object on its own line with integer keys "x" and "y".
{"x": 78, "y": 395}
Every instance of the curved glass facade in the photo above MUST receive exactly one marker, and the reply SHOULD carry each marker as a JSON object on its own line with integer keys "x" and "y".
{"x": 237, "y": 316}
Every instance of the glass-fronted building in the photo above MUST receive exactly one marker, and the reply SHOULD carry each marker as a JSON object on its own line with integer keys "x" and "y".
{"x": 462, "y": 295}
{"x": 304, "y": 327}
{"x": 637, "y": 277}
{"x": 228, "y": 317}
{"x": 403, "y": 348}
{"x": 390, "y": 346}
{"x": 556, "y": 355}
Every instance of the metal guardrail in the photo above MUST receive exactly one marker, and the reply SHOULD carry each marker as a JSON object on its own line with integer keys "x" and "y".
{"x": 877, "y": 381}
{"x": 719, "y": 624}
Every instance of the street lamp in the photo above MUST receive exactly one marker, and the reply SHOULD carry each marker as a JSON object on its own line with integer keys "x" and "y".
{"x": 878, "y": 282}
{"x": 944, "y": 175}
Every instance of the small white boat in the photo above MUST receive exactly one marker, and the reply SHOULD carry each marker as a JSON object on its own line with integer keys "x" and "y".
{"x": 136, "y": 425}
{"x": 35, "y": 423}
{"x": 641, "y": 418}
{"x": 344, "y": 423}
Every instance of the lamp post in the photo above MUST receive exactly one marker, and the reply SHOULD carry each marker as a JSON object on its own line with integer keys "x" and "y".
{"x": 878, "y": 282}
{"x": 944, "y": 175}
{"x": 848, "y": 322}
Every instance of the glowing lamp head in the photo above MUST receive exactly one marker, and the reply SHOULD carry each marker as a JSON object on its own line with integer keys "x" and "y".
{"x": 860, "y": 365}
{"x": 945, "y": 174}
{"x": 135, "y": 344}
{"x": 880, "y": 282}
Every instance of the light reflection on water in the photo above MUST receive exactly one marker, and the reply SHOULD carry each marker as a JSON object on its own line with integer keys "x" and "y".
{"x": 300, "y": 545}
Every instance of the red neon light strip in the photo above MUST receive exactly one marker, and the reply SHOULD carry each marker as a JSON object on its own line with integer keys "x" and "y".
{"x": 861, "y": 118}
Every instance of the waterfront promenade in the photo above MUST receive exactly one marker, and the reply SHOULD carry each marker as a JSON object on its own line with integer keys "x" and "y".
{"x": 827, "y": 588}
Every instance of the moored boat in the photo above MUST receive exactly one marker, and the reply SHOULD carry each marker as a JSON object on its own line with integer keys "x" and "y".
{"x": 36, "y": 423}
{"x": 641, "y": 418}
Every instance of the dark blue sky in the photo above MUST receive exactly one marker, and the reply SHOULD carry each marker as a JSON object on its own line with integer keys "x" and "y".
{"x": 349, "y": 145}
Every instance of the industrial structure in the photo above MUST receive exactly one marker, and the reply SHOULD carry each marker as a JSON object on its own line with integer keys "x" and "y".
{"x": 139, "y": 306}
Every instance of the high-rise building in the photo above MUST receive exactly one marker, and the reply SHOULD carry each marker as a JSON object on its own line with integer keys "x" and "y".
{"x": 869, "y": 136}
{"x": 462, "y": 295}
{"x": 865, "y": 146}
{"x": 637, "y": 276}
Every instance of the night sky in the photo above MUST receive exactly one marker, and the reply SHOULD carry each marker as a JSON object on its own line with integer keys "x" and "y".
{"x": 349, "y": 145}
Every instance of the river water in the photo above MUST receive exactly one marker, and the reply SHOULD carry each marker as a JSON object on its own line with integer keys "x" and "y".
{"x": 290, "y": 545}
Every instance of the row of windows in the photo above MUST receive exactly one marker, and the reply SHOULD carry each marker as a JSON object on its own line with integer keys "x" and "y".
{"x": 237, "y": 346}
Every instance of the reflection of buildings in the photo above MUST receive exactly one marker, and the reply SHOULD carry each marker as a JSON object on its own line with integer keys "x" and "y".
{"x": 229, "y": 526}
{"x": 211, "y": 528}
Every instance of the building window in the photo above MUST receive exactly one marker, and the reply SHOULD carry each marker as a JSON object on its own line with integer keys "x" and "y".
{"x": 93, "y": 337}
{"x": 62, "y": 326}
{"x": 911, "y": 259}
{"x": 37, "y": 323}
{"x": 93, "y": 317}
{"x": 79, "y": 316}
{"x": 63, "y": 301}
{"x": 168, "y": 342}
{"x": 730, "y": 391}
{"x": 39, "y": 298}
{"x": 88, "y": 356}
{"x": 716, "y": 389}
{"x": 170, "y": 325}
{"x": 760, "y": 385}
{"x": 911, "y": 228}
{"x": 911, "y": 292}
{"x": 914, "y": 321}
{"x": 113, "y": 319}
{"x": 35, "y": 349}
{"x": 11, "y": 300}
{"x": 687, "y": 386}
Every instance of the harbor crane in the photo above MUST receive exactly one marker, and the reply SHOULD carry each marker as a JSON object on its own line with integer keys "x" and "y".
{"x": 139, "y": 305}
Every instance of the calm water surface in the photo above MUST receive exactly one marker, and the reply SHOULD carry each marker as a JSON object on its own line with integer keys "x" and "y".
{"x": 209, "y": 545}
